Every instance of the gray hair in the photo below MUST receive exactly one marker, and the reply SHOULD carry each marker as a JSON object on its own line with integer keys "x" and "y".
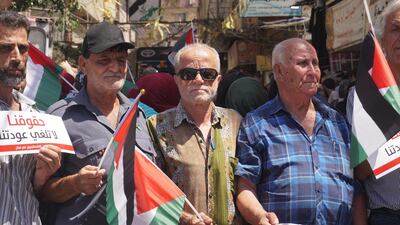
{"x": 281, "y": 49}
{"x": 381, "y": 20}
{"x": 177, "y": 58}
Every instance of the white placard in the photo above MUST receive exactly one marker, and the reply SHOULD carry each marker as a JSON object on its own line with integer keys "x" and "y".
{"x": 387, "y": 158}
{"x": 27, "y": 132}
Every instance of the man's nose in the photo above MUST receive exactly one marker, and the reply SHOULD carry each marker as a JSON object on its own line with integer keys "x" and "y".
{"x": 198, "y": 77}
{"x": 15, "y": 55}
{"x": 115, "y": 65}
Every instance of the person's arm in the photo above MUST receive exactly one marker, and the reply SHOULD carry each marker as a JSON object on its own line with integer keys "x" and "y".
{"x": 362, "y": 171}
{"x": 87, "y": 181}
{"x": 359, "y": 211}
{"x": 47, "y": 163}
{"x": 249, "y": 207}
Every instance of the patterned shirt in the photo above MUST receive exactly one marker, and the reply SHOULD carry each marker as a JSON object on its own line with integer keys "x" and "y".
{"x": 184, "y": 154}
{"x": 303, "y": 179}
{"x": 18, "y": 203}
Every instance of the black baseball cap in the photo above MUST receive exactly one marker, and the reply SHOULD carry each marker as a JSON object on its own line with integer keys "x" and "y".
{"x": 103, "y": 36}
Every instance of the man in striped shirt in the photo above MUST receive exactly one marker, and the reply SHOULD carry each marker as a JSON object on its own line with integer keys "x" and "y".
{"x": 294, "y": 150}
{"x": 21, "y": 176}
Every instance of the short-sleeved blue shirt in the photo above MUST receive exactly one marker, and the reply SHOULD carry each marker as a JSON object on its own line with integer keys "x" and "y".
{"x": 303, "y": 179}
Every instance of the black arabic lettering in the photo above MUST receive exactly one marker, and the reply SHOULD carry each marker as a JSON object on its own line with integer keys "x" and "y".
{"x": 390, "y": 150}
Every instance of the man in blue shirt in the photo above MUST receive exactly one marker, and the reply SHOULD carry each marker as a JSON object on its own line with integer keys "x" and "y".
{"x": 293, "y": 151}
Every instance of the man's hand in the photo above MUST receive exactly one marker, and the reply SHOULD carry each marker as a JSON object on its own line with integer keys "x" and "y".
{"x": 196, "y": 221}
{"x": 89, "y": 179}
{"x": 268, "y": 219}
{"x": 48, "y": 161}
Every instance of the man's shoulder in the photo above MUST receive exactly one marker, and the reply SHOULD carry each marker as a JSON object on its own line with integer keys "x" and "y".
{"x": 58, "y": 108}
{"x": 230, "y": 114}
{"x": 163, "y": 117}
{"x": 265, "y": 111}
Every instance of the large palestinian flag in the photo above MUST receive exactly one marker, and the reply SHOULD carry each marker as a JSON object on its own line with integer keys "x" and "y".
{"x": 376, "y": 103}
{"x": 44, "y": 85}
{"x": 138, "y": 192}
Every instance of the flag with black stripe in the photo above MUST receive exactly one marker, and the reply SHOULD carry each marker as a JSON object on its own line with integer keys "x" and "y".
{"x": 376, "y": 103}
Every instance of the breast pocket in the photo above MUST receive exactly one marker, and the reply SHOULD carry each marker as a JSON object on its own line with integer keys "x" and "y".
{"x": 341, "y": 152}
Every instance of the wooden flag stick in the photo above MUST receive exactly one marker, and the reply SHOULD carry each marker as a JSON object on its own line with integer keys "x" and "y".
{"x": 193, "y": 209}
{"x": 369, "y": 16}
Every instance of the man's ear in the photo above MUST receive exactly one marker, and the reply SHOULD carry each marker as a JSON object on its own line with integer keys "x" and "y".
{"x": 219, "y": 77}
{"x": 82, "y": 64}
{"x": 278, "y": 73}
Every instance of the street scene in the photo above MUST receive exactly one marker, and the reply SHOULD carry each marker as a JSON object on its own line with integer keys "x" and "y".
{"x": 189, "y": 112}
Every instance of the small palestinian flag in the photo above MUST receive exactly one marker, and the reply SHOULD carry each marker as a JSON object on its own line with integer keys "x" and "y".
{"x": 138, "y": 192}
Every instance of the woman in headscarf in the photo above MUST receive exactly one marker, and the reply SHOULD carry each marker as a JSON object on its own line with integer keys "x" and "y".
{"x": 245, "y": 95}
{"x": 161, "y": 91}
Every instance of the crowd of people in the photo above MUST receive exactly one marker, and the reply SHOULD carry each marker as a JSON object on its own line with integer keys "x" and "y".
{"x": 241, "y": 153}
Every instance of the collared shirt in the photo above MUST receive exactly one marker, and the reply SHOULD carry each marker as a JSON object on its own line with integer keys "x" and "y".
{"x": 90, "y": 131}
{"x": 184, "y": 154}
{"x": 18, "y": 203}
{"x": 303, "y": 179}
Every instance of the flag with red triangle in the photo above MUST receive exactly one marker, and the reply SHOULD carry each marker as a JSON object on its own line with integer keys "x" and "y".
{"x": 376, "y": 103}
{"x": 138, "y": 192}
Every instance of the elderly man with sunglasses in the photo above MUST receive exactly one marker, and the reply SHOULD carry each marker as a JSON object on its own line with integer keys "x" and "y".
{"x": 196, "y": 140}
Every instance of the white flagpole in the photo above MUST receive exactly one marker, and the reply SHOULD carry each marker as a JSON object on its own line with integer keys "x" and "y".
{"x": 130, "y": 74}
{"x": 66, "y": 81}
{"x": 192, "y": 27}
{"x": 194, "y": 209}
{"x": 118, "y": 127}
{"x": 369, "y": 16}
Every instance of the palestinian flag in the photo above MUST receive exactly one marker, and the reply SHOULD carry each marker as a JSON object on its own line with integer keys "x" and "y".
{"x": 154, "y": 199}
{"x": 185, "y": 39}
{"x": 376, "y": 103}
{"x": 44, "y": 85}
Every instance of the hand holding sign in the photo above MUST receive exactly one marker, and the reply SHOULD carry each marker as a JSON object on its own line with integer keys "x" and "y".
{"x": 48, "y": 161}
{"x": 28, "y": 132}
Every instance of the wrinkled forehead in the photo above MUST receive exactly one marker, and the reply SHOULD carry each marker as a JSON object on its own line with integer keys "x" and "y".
{"x": 393, "y": 18}
{"x": 197, "y": 58}
{"x": 301, "y": 50}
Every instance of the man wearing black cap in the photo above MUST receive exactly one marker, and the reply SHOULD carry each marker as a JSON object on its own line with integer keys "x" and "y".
{"x": 91, "y": 118}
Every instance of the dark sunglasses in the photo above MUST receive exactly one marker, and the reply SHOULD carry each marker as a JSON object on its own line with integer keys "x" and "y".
{"x": 8, "y": 47}
{"x": 191, "y": 73}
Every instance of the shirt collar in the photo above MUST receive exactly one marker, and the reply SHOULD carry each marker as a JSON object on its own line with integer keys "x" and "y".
{"x": 82, "y": 98}
{"x": 181, "y": 115}
{"x": 276, "y": 105}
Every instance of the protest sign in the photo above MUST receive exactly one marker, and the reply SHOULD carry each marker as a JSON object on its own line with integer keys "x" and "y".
{"x": 27, "y": 132}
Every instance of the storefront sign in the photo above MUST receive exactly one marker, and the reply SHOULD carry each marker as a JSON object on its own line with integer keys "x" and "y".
{"x": 345, "y": 24}
{"x": 264, "y": 8}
